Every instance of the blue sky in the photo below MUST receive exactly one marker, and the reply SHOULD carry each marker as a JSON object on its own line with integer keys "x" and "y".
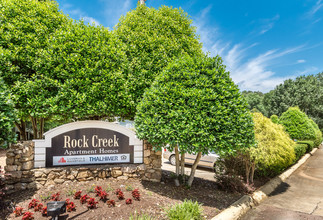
{"x": 262, "y": 42}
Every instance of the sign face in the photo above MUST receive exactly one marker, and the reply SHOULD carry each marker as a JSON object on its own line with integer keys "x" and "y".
{"x": 89, "y": 146}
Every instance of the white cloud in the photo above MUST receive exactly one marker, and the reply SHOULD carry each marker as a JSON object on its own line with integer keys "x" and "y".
{"x": 301, "y": 61}
{"x": 250, "y": 73}
{"x": 255, "y": 74}
{"x": 78, "y": 13}
{"x": 90, "y": 20}
{"x": 307, "y": 71}
{"x": 318, "y": 5}
{"x": 268, "y": 24}
{"x": 114, "y": 9}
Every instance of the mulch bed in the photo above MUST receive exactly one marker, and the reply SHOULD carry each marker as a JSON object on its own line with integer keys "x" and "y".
{"x": 155, "y": 198}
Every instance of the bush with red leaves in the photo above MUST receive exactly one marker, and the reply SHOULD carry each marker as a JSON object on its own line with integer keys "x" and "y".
{"x": 98, "y": 190}
{"x": 111, "y": 203}
{"x": 128, "y": 201}
{"x": 70, "y": 207}
{"x": 84, "y": 198}
{"x": 91, "y": 203}
{"x": 78, "y": 194}
{"x": 120, "y": 195}
{"x": 117, "y": 191}
{"x": 28, "y": 216}
{"x": 136, "y": 194}
{"x": 103, "y": 196}
{"x": 55, "y": 197}
{"x": 18, "y": 211}
{"x": 38, "y": 207}
{"x": 33, "y": 203}
{"x": 44, "y": 211}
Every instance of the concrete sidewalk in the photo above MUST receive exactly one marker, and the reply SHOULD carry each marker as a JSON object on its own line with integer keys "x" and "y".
{"x": 299, "y": 197}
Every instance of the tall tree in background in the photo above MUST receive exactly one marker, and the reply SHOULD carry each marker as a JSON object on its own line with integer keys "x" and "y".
{"x": 195, "y": 105}
{"x": 306, "y": 92}
{"x": 255, "y": 101}
{"x": 153, "y": 38}
{"x": 24, "y": 30}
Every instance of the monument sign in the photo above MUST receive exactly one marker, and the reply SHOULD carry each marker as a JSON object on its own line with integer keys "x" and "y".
{"x": 88, "y": 142}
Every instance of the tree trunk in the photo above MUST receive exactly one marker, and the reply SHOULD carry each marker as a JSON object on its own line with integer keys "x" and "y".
{"x": 253, "y": 166}
{"x": 41, "y": 127}
{"x": 22, "y": 130}
{"x": 34, "y": 125}
{"x": 193, "y": 169}
{"x": 183, "y": 167}
{"x": 177, "y": 165}
{"x": 247, "y": 170}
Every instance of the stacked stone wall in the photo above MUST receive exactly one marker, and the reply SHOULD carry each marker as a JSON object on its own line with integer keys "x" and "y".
{"x": 22, "y": 175}
{"x": 19, "y": 165}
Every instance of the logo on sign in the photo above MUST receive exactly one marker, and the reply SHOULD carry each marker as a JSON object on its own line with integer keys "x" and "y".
{"x": 62, "y": 160}
{"x": 123, "y": 157}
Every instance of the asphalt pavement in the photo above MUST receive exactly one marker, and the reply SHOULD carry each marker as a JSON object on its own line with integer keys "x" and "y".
{"x": 299, "y": 197}
{"x": 201, "y": 172}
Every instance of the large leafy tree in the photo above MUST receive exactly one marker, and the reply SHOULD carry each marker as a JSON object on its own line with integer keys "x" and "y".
{"x": 89, "y": 64}
{"x": 25, "y": 26}
{"x": 153, "y": 38}
{"x": 7, "y": 116}
{"x": 194, "y": 104}
{"x": 306, "y": 92}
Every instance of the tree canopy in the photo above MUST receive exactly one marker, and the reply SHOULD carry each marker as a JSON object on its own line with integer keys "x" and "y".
{"x": 7, "y": 116}
{"x": 24, "y": 30}
{"x": 255, "y": 101}
{"x": 306, "y": 92}
{"x": 89, "y": 64}
{"x": 194, "y": 104}
{"x": 153, "y": 38}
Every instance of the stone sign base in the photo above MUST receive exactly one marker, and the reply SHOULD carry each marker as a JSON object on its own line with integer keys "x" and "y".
{"x": 22, "y": 175}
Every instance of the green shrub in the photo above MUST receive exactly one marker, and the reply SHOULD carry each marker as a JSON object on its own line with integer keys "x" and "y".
{"x": 318, "y": 134}
{"x": 186, "y": 210}
{"x": 274, "y": 119}
{"x": 297, "y": 124}
{"x": 310, "y": 145}
{"x": 141, "y": 217}
{"x": 300, "y": 150}
{"x": 274, "y": 150}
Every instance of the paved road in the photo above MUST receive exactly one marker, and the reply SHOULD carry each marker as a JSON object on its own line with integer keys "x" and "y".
{"x": 301, "y": 197}
{"x": 200, "y": 171}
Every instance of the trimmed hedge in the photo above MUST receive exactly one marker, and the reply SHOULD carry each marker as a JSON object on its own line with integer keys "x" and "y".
{"x": 274, "y": 119}
{"x": 318, "y": 134}
{"x": 297, "y": 124}
{"x": 310, "y": 145}
{"x": 275, "y": 150}
{"x": 300, "y": 150}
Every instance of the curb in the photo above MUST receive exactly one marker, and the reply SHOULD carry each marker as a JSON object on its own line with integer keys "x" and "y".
{"x": 241, "y": 206}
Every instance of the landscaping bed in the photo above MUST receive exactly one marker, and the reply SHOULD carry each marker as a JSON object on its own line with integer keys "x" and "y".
{"x": 155, "y": 198}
